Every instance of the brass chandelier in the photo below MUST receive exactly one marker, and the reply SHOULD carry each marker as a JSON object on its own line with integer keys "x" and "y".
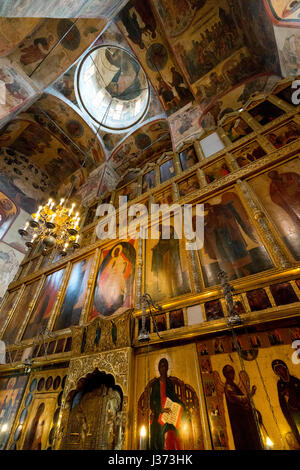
{"x": 54, "y": 226}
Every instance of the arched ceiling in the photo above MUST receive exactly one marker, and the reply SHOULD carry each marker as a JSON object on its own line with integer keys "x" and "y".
{"x": 203, "y": 58}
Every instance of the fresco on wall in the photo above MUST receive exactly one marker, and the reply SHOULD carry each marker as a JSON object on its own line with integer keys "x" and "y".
{"x": 143, "y": 145}
{"x": 44, "y": 305}
{"x": 90, "y": 189}
{"x": 172, "y": 386}
{"x": 114, "y": 285}
{"x": 279, "y": 191}
{"x": 16, "y": 89}
{"x": 167, "y": 274}
{"x": 22, "y": 182}
{"x": 283, "y": 11}
{"x": 13, "y": 329}
{"x": 9, "y": 264}
{"x": 11, "y": 392}
{"x": 231, "y": 243}
{"x": 75, "y": 295}
{"x": 234, "y": 423}
{"x": 184, "y": 125}
{"x": 138, "y": 23}
{"x": 288, "y": 43}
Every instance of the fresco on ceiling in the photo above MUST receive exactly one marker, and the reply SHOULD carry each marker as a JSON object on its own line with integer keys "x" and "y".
{"x": 9, "y": 264}
{"x": 11, "y": 393}
{"x": 236, "y": 99}
{"x": 226, "y": 75}
{"x": 13, "y": 31}
{"x": 142, "y": 146}
{"x": 167, "y": 274}
{"x": 65, "y": 85}
{"x": 206, "y": 37}
{"x": 288, "y": 43}
{"x": 269, "y": 378}
{"x": 69, "y": 122}
{"x": 137, "y": 21}
{"x": 42, "y": 148}
{"x": 15, "y": 89}
{"x": 231, "y": 242}
{"x": 110, "y": 140}
{"x": 8, "y": 213}
{"x": 114, "y": 285}
{"x": 61, "y": 8}
{"x": 171, "y": 385}
{"x": 284, "y": 11}
{"x": 184, "y": 125}
{"x": 54, "y": 46}
{"x": 279, "y": 191}
{"x": 259, "y": 33}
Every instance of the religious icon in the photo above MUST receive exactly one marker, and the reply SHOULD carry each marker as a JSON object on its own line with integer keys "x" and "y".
{"x": 230, "y": 241}
{"x": 167, "y": 271}
{"x": 44, "y": 305}
{"x": 11, "y": 392}
{"x": 213, "y": 310}
{"x": 75, "y": 295}
{"x": 115, "y": 279}
{"x": 284, "y": 135}
{"x": 13, "y": 328}
{"x": 216, "y": 171}
{"x": 167, "y": 170}
{"x": 188, "y": 185}
{"x": 265, "y": 112}
{"x": 258, "y": 300}
{"x": 283, "y": 293}
{"x": 188, "y": 158}
{"x": 176, "y": 318}
{"x": 237, "y": 129}
{"x": 34, "y": 435}
{"x": 165, "y": 414}
{"x": 249, "y": 153}
{"x": 279, "y": 191}
{"x": 242, "y": 416}
{"x": 148, "y": 181}
{"x": 288, "y": 387}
